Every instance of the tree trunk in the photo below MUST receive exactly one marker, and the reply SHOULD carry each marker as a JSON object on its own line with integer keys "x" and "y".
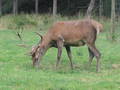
{"x": 112, "y": 35}
{"x": 0, "y": 7}
{"x": 54, "y": 7}
{"x": 68, "y": 3}
{"x": 15, "y": 7}
{"x": 90, "y": 8}
{"x": 100, "y": 8}
{"x": 36, "y": 6}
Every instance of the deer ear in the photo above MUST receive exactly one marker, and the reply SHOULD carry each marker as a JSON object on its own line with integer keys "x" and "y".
{"x": 39, "y": 35}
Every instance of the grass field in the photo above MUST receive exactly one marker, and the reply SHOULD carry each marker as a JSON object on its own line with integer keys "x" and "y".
{"x": 17, "y": 73}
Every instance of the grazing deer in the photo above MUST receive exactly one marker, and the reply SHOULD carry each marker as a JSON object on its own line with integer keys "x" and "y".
{"x": 67, "y": 34}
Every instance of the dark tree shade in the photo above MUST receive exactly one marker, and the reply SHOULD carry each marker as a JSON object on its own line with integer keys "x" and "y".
{"x": 64, "y": 7}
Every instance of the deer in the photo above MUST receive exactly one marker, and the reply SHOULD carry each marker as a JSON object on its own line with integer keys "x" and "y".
{"x": 69, "y": 34}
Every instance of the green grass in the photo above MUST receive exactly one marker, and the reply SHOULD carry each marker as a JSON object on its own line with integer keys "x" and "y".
{"x": 17, "y": 73}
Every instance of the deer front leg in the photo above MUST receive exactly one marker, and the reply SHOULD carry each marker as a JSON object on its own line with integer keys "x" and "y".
{"x": 60, "y": 46}
{"x": 69, "y": 55}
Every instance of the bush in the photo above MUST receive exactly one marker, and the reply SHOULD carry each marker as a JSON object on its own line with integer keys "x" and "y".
{"x": 21, "y": 20}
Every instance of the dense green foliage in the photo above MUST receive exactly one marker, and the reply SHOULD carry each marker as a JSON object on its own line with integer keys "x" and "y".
{"x": 17, "y": 73}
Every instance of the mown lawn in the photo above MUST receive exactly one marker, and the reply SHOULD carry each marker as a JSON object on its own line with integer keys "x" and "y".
{"x": 17, "y": 73}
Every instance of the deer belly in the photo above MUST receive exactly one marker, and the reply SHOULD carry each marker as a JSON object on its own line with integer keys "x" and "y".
{"x": 78, "y": 43}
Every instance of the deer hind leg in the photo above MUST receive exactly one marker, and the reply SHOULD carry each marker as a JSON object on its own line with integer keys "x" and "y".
{"x": 60, "y": 46}
{"x": 69, "y": 55}
{"x": 91, "y": 56}
{"x": 96, "y": 54}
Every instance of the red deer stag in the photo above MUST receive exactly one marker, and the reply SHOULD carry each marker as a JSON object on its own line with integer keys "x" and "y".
{"x": 67, "y": 34}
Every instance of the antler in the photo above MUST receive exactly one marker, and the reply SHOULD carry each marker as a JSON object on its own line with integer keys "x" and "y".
{"x": 39, "y": 35}
{"x": 18, "y": 34}
{"x": 23, "y": 45}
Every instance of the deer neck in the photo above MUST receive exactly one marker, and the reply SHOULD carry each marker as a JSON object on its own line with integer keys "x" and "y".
{"x": 46, "y": 41}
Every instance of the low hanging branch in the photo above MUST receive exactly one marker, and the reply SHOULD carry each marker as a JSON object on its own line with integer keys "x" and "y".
{"x": 90, "y": 8}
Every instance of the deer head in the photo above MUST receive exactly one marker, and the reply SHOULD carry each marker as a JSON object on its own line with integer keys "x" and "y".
{"x": 39, "y": 50}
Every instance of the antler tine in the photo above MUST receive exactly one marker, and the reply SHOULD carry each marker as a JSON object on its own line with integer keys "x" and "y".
{"x": 39, "y": 34}
{"x": 18, "y": 34}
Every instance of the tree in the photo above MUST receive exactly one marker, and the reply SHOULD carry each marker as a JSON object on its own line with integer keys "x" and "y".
{"x": 54, "y": 7}
{"x": 36, "y": 6}
{"x": 100, "y": 8}
{"x": 15, "y": 7}
{"x": 90, "y": 8}
{"x": 112, "y": 31}
{"x": 0, "y": 7}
